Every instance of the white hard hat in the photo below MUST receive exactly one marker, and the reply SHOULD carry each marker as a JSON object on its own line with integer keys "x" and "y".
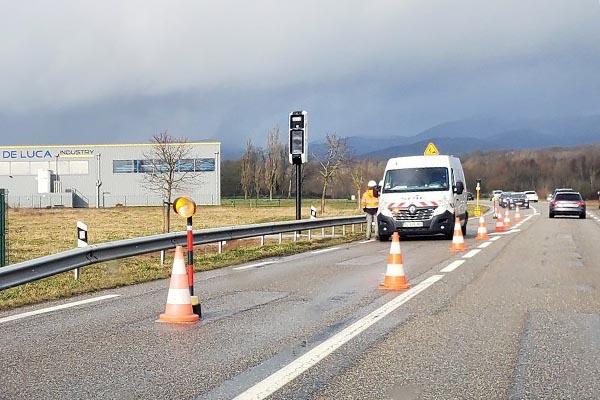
{"x": 371, "y": 184}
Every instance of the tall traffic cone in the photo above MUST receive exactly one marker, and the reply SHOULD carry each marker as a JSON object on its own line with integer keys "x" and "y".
{"x": 500, "y": 225}
{"x": 179, "y": 301}
{"x": 394, "y": 275}
{"x": 482, "y": 233}
{"x": 507, "y": 219}
{"x": 517, "y": 214}
{"x": 495, "y": 210}
{"x": 458, "y": 241}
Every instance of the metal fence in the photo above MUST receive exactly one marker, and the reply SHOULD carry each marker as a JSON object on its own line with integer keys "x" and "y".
{"x": 43, "y": 267}
{"x": 3, "y": 232}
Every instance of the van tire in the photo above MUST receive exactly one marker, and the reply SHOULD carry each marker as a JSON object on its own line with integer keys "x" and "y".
{"x": 383, "y": 238}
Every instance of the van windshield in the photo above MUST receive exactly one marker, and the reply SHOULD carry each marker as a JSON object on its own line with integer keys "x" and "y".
{"x": 416, "y": 180}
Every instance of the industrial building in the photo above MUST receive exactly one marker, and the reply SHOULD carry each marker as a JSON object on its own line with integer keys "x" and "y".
{"x": 105, "y": 175}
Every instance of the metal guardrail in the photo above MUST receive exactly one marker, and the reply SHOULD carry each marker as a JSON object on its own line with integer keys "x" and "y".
{"x": 43, "y": 267}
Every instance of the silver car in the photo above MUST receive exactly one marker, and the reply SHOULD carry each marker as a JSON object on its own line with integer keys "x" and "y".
{"x": 567, "y": 203}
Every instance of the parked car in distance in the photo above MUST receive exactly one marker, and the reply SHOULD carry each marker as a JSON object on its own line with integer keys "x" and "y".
{"x": 470, "y": 196}
{"x": 496, "y": 194}
{"x": 567, "y": 203}
{"x": 532, "y": 196}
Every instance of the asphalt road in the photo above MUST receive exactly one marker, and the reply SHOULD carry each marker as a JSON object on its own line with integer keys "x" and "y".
{"x": 516, "y": 319}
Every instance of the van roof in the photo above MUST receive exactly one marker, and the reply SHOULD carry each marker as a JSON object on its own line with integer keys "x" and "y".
{"x": 419, "y": 161}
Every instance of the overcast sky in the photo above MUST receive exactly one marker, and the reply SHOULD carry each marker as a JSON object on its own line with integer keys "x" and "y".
{"x": 119, "y": 71}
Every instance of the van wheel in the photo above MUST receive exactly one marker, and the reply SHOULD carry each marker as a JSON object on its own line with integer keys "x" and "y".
{"x": 384, "y": 238}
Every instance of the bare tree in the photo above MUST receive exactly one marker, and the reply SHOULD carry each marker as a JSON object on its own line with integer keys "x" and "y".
{"x": 331, "y": 162}
{"x": 272, "y": 157}
{"x": 247, "y": 173}
{"x": 168, "y": 168}
{"x": 358, "y": 170}
{"x": 259, "y": 170}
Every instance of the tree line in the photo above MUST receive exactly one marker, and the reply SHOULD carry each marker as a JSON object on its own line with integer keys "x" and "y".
{"x": 336, "y": 173}
{"x": 541, "y": 170}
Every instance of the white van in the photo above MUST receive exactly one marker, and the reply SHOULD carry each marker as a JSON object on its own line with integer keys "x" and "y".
{"x": 422, "y": 195}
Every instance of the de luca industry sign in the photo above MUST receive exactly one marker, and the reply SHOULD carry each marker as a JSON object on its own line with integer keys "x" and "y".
{"x": 40, "y": 154}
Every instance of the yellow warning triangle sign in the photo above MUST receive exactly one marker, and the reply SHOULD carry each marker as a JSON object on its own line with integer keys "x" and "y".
{"x": 431, "y": 150}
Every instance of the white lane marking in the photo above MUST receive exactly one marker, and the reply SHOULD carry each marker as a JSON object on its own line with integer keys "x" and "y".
{"x": 484, "y": 245}
{"x": 472, "y": 253}
{"x": 291, "y": 371}
{"x": 495, "y": 238}
{"x": 324, "y": 250}
{"x": 535, "y": 211}
{"x": 56, "y": 308}
{"x": 367, "y": 241}
{"x": 261, "y": 264}
{"x": 452, "y": 266}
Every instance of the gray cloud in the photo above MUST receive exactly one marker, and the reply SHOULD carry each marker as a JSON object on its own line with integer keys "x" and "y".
{"x": 118, "y": 71}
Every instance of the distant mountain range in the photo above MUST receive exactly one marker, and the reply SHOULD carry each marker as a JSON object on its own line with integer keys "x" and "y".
{"x": 466, "y": 136}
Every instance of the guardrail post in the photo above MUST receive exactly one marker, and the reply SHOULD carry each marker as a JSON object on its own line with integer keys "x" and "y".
{"x": 353, "y": 228}
{"x": 280, "y": 238}
{"x": 322, "y": 233}
{"x": 220, "y": 250}
{"x": 295, "y": 236}
{"x": 309, "y": 234}
{"x": 262, "y": 240}
{"x": 343, "y": 230}
{"x": 82, "y": 241}
{"x": 332, "y": 231}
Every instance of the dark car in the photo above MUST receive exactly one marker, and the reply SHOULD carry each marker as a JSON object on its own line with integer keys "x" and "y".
{"x": 518, "y": 199}
{"x": 470, "y": 196}
{"x": 567, "y": 203}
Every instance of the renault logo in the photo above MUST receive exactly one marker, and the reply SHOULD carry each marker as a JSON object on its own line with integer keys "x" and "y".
{"x": 412, "y": 209}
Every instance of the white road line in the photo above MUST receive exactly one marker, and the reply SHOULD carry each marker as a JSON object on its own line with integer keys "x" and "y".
{"x": 56, "y": 308}
{"x": 291, "y": 371}
{"x": 324, "y": 250}
{"x": 472, "y": 253}
{"x": 495, "y": 238}
{"x": 484, "y": 245}
{"x": 452, "y": 266}
{"x": 261, "y": 264}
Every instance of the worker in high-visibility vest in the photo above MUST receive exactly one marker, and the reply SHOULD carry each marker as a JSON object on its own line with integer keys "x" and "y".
{"x": 369, "y": 203}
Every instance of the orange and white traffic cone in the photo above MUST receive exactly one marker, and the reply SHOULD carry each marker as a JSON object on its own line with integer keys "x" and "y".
{"x": 458, "y": 241}
{"x": 394, "y": 274}
{"x": 500, "y": 225}
{"x": 507, "y": 219}
{"x": 517, "y": 214}
{"x": 495, "y": 210}
{"x": 482, "y": 233}
{"x": 179, "y": 301}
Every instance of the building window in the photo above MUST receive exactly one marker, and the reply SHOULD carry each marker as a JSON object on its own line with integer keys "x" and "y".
{"x": 149, "y": 166}
{"x": 186, "y": 165}
{"x": 4, "y": 168}
{"x": 19, "y": 168}
{"x": 204, "y": 164}
{"x": 123, "y": 167}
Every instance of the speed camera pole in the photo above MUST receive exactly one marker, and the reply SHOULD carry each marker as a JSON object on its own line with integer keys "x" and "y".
{"x": 298, "y": 145}
{"x": 298, "y": 191}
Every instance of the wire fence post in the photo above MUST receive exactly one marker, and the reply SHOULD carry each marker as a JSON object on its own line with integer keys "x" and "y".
{"x": 3, "y": 257}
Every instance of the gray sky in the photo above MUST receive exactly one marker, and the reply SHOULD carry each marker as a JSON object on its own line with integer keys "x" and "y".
{"x": 118, "y": 71}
